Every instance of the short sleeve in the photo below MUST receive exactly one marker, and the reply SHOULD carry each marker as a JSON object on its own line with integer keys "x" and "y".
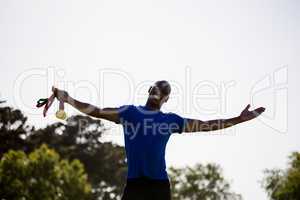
{"x": 176, "y": 123}
{"x": 125, "y": 113}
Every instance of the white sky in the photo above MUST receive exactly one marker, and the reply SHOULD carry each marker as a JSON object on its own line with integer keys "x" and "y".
{"x": 245, "y": 43}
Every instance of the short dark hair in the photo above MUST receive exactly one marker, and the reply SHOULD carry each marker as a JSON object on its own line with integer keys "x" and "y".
{"x": 164, "y": 87}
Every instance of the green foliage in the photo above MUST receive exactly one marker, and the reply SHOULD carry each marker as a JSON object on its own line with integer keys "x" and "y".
{"x": 284, "y": 184}
{"x": 42, "y": 175}
{"x": 80, "y": 138}
{"x": 203, "y": 182}
{"x": 13, "y": 129}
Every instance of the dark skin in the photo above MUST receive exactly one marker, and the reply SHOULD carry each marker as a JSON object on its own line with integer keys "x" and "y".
{"x": 158, "y": 95}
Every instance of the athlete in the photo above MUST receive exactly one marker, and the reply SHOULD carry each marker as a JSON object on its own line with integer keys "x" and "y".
{"x": 146, "y": 132}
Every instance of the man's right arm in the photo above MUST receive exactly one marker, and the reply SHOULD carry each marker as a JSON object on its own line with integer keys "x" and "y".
{"x": 110, "y": 114}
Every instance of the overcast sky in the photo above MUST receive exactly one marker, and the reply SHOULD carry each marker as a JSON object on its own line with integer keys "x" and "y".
{"x": 218, "y": 55}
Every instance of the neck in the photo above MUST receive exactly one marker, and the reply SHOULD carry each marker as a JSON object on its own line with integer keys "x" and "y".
{"x": 152, "y": 105}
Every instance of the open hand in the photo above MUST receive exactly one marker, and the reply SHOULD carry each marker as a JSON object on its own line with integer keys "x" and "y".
{"x": 61, "y": 95}
{"x": 246, "y": 114}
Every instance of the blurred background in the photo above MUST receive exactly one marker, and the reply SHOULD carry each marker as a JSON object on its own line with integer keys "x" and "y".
{"x": 218, "y": 56}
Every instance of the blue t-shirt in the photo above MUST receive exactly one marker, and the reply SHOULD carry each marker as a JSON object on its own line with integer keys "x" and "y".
{"x": 146, "y": 134}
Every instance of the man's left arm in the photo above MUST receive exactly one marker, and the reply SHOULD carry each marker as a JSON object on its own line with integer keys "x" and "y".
{"x": 195, "y": 125}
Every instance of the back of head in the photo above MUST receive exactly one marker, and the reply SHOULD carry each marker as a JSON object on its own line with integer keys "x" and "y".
{"x": 159, "y": 93}
{"x": 164, "y": 87}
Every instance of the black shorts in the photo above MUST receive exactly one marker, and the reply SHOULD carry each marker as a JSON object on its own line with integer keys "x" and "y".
{"x": 147, "y": 189}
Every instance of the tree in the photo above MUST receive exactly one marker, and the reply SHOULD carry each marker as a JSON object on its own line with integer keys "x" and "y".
{"x": 284, "y": 184}
{"x": 80, "y": 138}
{"x": 13, "y": 129}
{"x": 201, "y": 182}
{"x": 42, "y": 175}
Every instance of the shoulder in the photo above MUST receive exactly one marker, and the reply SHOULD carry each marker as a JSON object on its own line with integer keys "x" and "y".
{"x": 126, "y": 112}
{"x": 172, "y": 115}
{"x": 175, "y": 121}
{"x": 126, "y": 107}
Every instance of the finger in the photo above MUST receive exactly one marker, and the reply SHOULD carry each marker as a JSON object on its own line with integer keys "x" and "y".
{"x": 54, "y": 90}
{"x": 259, "y": 110}
{"x": 247, "y": 107}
